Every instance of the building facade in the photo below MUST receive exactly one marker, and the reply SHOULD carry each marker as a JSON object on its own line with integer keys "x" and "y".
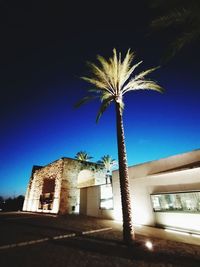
{"x": 55, "y": 188}
{"x": 164, "y": 193}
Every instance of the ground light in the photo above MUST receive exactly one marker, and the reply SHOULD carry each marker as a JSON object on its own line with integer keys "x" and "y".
{"x": 149, "y": 245}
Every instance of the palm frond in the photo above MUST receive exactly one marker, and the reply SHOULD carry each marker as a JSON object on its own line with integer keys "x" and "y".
{"x": 105, "y": 95}
{"x": 184, "y": 15}
{"x": 134, "y": 82}
{"x": 105, "y": 104}
{"x": 175, "y": 17}
{"x": 94, "y": 90}
{"x": 127, "y": 75}
{"x": 115, "y": 68}
{"x": 84, "y": 100}
{"x": 125, "y": 68}
{"x": 142, "y": 74}
{"x": 112, "y": 79}
{"x": 83, "y": 156}
{"x": 98, "y": 83}
{"x": 145, "y": 85}
{"x": 100, "y": 74}
{"x": 181, "y": 41}
{"x": 105, "y": 67}
{"x": 107, "y": 162}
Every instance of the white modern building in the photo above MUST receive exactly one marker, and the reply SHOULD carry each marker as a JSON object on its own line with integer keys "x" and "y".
{"x": 164, "y": 193}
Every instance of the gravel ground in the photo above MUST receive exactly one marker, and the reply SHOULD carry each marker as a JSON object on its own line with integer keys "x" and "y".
{"x": 95, "y": 249}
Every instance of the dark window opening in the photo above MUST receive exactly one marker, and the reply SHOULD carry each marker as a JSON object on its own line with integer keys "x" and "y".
{"x": 47, "y": 196}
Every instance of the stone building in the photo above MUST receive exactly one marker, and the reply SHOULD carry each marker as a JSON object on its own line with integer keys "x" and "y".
{"x": 55, "y": 188}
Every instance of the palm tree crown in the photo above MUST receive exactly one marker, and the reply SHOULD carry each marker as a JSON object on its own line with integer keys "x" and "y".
{"x": 107, "y": 162}
{"x": 112, "y": 80}
{"x": 83, "y": 156}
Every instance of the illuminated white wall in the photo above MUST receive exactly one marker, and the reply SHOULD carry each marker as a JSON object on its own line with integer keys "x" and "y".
{"x": 90, "y": 203}
{"x": 187, "y": 221}
{"x": 141, "y": 188}
{"x": 169, "y": 177}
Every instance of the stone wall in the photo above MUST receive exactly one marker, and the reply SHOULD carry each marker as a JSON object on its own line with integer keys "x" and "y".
{"x": 32, "y": 199}
{"x": 66, "y": 172}
{"x": 70, "y": 192}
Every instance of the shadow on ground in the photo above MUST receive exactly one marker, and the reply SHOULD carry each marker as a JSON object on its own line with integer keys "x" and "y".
{"x": 137, "y": 251}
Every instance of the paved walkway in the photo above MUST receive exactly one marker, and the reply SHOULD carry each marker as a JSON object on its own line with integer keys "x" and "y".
{"x": 76, "y": 238}
{"x": 146, "y": 231}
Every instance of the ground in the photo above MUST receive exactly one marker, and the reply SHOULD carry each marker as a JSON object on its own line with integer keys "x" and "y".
{"x": 42, "y": 240}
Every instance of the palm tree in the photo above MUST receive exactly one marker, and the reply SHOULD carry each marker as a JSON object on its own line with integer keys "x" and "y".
{"x": 83, "y": 156}
{"x": 183, "y": 17}
{"x": 112, "y": 80}
{"x": 108, "y": 164}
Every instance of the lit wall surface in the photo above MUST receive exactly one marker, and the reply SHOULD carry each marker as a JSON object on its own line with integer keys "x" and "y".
{"x": 54, "y": 188}
{"x": 164, "y": 192}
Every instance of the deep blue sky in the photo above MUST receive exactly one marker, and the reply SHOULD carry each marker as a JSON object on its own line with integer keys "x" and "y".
{"x": 43, "y": 53}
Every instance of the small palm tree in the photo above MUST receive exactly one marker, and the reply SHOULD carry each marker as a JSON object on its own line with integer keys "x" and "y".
{"x": 83, "y": 156}
{"x": 112, "y": 80}
{"x": 107, "y": 162}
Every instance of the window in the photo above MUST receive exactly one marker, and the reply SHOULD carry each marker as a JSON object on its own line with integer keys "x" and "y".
{"x": 47, "y": 196}
{"x": 106, "y": 196}
{"x": 46, "y": 201}
{"x": 177, "y": 201}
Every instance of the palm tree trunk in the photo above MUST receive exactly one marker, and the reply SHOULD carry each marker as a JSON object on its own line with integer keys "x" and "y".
{"x": 128, "y": 232}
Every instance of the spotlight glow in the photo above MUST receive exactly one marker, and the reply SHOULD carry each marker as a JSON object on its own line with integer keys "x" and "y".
{"x": 149, "y": 245}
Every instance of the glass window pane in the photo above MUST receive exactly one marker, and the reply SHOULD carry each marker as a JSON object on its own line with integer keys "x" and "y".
{"x": 183, "y": 201}
{"x": 106, "y": 197}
